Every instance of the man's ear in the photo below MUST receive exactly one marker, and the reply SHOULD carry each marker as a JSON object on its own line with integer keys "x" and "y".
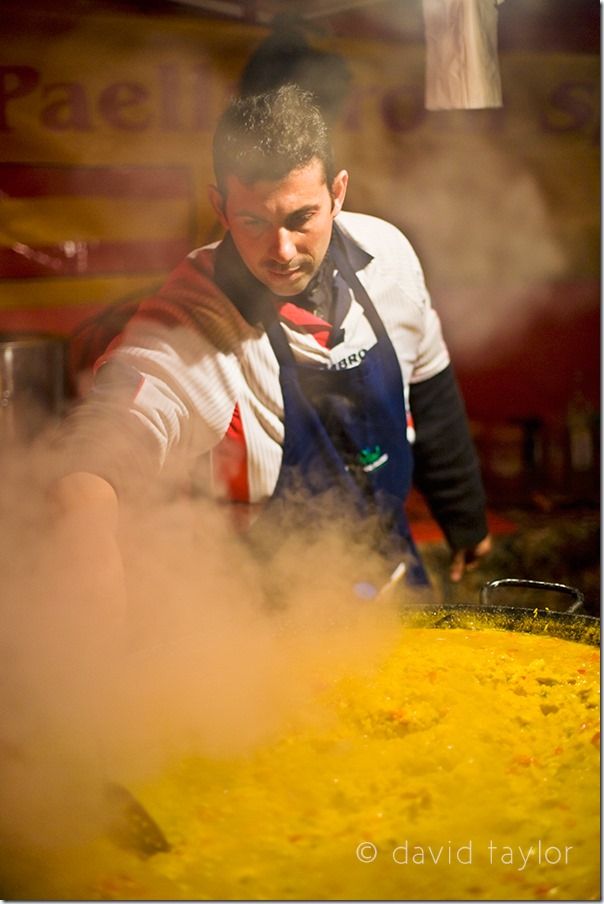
{"x": 218, "y": 203}
{"x": 338, "y": 191}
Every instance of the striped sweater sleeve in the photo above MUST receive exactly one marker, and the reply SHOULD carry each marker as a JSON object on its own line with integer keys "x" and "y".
{"x": 164, "y": 392}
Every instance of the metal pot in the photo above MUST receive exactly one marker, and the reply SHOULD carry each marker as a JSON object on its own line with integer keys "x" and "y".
{"x": 569, "y": 625}
{"x": 32, "y": 383}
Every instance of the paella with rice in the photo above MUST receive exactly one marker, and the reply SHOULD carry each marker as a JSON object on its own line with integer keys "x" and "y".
{"x": 464, "y": 765}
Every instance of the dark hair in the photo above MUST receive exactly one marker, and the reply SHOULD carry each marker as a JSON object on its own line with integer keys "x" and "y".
{"x": 286, "y": 57}
{"x": 266, "y": 136}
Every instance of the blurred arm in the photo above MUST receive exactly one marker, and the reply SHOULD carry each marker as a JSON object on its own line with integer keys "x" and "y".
{"x": 446, "y": 468}
{"x": 85, "y": 562}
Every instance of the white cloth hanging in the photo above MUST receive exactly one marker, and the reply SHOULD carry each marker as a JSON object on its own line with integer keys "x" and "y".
{"x": 462, "y": 67}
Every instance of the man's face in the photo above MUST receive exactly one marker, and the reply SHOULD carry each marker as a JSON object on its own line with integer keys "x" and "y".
{"x": 282, "y": 229}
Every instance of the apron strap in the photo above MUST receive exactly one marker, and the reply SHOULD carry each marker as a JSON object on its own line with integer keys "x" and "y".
{"x": 277, "y": 337}
{"x": 343, "y": 264}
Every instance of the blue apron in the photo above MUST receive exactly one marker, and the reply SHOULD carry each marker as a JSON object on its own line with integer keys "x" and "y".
{"x": 345, "y": 440}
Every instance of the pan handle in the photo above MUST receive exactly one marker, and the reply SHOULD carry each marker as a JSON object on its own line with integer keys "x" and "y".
{"x": 576, "y": 606}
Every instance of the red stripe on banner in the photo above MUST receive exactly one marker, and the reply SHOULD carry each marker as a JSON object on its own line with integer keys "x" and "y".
{"x": 149, "y": 182}
{"x": 59, "y": 319}
{"x": 91, "y": 258}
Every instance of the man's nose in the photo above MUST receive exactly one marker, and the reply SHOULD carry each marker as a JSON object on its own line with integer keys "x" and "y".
{"x": 283, "y": 248}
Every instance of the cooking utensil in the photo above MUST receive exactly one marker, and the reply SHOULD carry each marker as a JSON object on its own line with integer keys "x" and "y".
{"x": 367, "y": 591}
{"x": 396, "y": 576}
{"x": 132, "y": 827}
{"x": 567, "y": 625}
{"x": 513, "y": 684}
{"x": 487, "y": 590}
{"x": 32, "y": 383}
{"x": 129, "y": 824}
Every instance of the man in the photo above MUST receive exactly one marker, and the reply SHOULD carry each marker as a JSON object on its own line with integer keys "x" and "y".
{"x": 302, "y": 351}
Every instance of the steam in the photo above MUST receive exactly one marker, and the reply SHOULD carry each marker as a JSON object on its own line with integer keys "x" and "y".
{"x": 206, "y": 663}
{"x": 219, "y": 652}
{"x": 485, "y": 235}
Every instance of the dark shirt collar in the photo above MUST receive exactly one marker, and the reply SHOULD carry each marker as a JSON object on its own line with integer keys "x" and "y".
{"x": 358, "y": 256}
{"x": 248, "y": 294}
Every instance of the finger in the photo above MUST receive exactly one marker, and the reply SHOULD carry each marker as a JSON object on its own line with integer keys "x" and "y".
{"x": 484, "y": 547}
{"x": 457, "y": 567}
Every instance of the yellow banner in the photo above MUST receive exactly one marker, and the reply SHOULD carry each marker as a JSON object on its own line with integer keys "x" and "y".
{"x": 105, "y": 133}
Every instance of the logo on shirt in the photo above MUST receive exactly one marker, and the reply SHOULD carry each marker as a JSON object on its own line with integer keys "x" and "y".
{"x": 351, "y": 361}
{"x": 372, "y": 459}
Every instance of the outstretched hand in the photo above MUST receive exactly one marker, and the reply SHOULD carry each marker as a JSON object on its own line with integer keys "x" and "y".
{"x": 84, "y": 565}
{"x": 468, "y": 559}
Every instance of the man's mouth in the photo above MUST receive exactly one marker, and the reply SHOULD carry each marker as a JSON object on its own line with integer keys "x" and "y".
{"x": 283, "y": 272}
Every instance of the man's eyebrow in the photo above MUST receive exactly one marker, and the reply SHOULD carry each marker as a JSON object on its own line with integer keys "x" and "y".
{"x": 301, "y": 211}
{"x": 248, "y": 213}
